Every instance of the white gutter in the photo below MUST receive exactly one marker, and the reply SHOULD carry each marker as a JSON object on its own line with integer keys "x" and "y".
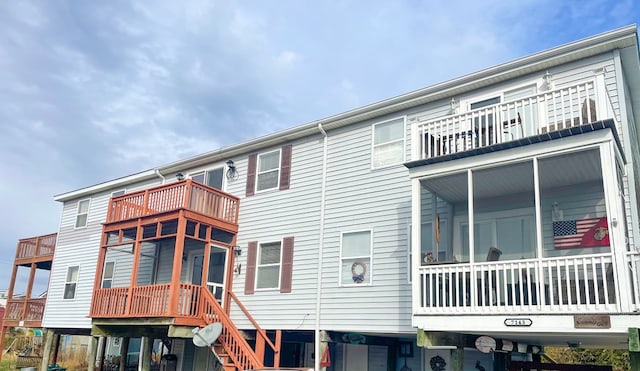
{"x": 159, "y": 175}
{"x": 323, "y": 193}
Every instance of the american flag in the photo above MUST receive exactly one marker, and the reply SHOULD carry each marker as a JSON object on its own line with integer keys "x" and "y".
{"x": 580, "y": 233}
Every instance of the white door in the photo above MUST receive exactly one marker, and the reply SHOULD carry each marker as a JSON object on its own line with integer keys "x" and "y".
{"x": 217, "y": 270}
{"x": 356, "y": 357}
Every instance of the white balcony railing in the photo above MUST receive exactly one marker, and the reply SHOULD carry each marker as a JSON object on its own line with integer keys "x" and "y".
{"x": 576, "y": 284}
{"x": 537, "y": 114}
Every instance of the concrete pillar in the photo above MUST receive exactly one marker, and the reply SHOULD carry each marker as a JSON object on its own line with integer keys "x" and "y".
{"x": 457, "y": 359}
{"x": 92, "y": 354}
{"x": 102, "y": 345}
{"x": 124, "y": 350}
{"x": 46, "y": 352}
{"x": 145, "y": 350}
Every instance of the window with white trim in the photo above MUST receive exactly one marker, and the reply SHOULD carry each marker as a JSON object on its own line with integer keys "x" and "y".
{"x": 82, "y": 213}
{"x": 268, "y": 265}
{"x": 212, "y": 178}
{"x": 268, "y": 170}
{"x": 71, "y": 282}
{"x": 355, "y": 258}
{"x": 388, "y": 143}
{"x": 107, "y": 275}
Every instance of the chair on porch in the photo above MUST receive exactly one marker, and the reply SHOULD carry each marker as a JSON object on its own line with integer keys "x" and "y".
{"x": 493, "y": 255}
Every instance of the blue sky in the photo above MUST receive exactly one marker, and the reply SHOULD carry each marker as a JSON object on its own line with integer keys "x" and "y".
{"x": 91, "y": 91}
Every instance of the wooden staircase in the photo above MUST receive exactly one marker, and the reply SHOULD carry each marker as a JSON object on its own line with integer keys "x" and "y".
{"x": 232, "y": 347}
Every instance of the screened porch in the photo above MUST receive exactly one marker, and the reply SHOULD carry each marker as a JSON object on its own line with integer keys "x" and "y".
{"x": 540, "y": 234}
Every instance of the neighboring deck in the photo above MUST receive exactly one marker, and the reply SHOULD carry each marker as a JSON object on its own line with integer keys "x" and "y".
{"x": 38, "y": 249}
{"x": 194, "y": 198}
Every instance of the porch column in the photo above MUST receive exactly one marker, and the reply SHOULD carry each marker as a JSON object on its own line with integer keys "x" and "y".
{"x": 46, "y": 352}
{"x": 177, "y": 265}
{"x": 102, "y": 252}
{"x": 92, "y": 354}
{"x": 145, "y": 350}
{"x": 416, "y": 202}
{"x": 634, "y": 348}
{"x": 102, "y": 346}
{"x": 56, "y": 346}
{"x": 136, "y": 262}
{"x": 27, "y": 296}
{"x": 616, "y": 236}
{"x": 124, "y": 350}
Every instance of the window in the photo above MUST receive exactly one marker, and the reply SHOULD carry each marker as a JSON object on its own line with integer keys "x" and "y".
{"x": 355, "y": 258}
{"x": 271, "y": 265}
{"x": 268, "y": 170}
{"x": 107, "y": 276}
{"x": 268, "y": 267}
{"x": 82, "y": 214}
{"x": 70, "y": 284}
{"x": 118, "y": 193}
{"x": 212, "y": 178}
{"x": 388, "y": 143}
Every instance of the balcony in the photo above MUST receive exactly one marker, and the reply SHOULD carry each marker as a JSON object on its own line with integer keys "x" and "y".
{"x": 587, "y": 284}
{"x": 35, "y": 249}
{"x": 24, "y": 312}
{"x": 543, "y": 113}
{"x": 186, "y": 195}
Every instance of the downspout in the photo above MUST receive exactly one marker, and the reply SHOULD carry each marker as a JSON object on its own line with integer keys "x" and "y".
{"x": 323, "y": 192}
{"x": 159, "y": 175}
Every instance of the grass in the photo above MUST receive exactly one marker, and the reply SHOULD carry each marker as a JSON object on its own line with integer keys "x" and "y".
{"x": 8, "y": 363}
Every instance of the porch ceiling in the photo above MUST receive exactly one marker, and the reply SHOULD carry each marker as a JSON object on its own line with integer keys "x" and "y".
{"x": 556, "y": 171}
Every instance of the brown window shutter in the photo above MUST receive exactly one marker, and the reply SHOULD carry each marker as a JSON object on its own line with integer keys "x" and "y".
{"x": 285, "y": 167}
{"x": 251, "y": 175}
{"x": 250, "y": 273}
{"x": 287, "y": 264}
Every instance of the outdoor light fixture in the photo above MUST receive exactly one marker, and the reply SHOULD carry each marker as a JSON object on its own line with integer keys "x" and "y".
{"x": 231, "y": 170}
{"x": 237, "y": 250}
{"x": 548, "y": 80}
{"x": 180, "y": 176}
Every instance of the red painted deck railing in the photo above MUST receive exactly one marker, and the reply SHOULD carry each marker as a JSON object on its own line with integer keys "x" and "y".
{"x": 186, "y": 194}
{"x": 36, "y": 247}
{"x": 194, "y": 302}
{"x": 28, "y": 310}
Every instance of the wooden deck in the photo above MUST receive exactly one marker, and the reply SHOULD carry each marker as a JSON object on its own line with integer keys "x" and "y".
{"x": 36, "y": 249}
{"x": 24, "y": 312}
{"x": 186, "y": 195}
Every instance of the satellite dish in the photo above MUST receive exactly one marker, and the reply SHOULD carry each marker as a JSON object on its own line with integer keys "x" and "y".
{"x": 208, "y": 335}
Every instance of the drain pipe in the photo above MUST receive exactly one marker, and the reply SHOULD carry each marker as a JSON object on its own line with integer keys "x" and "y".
{"x": 323, "y": 192}
{"x": 159, "y": 175}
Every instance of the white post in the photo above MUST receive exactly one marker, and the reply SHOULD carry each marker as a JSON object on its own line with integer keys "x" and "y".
{"x": 603, "y": 107}
{"x": 416, "y": 211}
{"x": 415, "y": 142}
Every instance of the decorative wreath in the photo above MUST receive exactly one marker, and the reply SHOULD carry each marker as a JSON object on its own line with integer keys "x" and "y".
{"x": 358, "y": 277}
{"x": 437, "y": 363}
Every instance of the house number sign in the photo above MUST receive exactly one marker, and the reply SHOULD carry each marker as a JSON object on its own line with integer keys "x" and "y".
{"x": 518, "y": 322}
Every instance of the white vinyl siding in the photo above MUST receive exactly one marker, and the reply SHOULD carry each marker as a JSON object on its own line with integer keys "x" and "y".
{"x": 71, "y": 282}
{"x": 268, "y": 171}
{"x": 118, "y": 193}
{"x": 355, "y": 258}
{"x": 388, "y": 143}
{"x": 268, "y": 266}
{"x": 82, "y": 213}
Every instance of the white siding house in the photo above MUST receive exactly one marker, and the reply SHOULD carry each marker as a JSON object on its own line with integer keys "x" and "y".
{"x": 328, "y": 253}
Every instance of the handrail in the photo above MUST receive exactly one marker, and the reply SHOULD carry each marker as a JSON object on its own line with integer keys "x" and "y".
{"x": 36, "y": 247}
{"x": 185, "y": 194}
{"x": 259, "y": 330}
{"x": 571, "y": 284}
{"x": 231, "y": 339}
{"x": 502, "y": 122}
